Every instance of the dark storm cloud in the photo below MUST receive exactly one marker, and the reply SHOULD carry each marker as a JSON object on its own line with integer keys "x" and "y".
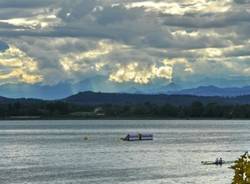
{"x": 118, "y": 14}
{"x": 24, "y": 3}
{"x": 128, "y": 25}
{"x": 77, "y": 10}
{"x": 6, "y": 26}
{"x": 9, "y": 13}
{"x": 208, "y": 20}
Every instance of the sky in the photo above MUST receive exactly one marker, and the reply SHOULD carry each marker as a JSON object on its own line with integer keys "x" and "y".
{"x": 139, "y": 43}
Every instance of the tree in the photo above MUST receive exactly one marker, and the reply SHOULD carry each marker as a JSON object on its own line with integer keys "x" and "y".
{"x": 242, "y": 170}
{"x": 197, "y": 109}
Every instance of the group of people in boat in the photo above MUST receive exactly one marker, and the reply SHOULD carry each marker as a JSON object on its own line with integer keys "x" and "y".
{"x": 218, "y": 161}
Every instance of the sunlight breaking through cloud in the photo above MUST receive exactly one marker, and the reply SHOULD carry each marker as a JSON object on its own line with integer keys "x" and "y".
{"x": 41, "y": 21}
{"x": 16, "y": 66}
{"x": 184, "y": 6}
{"x": 140, "y": 74}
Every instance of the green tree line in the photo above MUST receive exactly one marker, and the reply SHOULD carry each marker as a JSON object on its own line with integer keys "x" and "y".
{"x": 195, "y": 110}
{"x": 146, "y": 110}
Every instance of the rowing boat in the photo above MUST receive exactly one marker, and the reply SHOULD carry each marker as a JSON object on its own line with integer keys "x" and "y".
{"x": 138, "y": 137}
{"x": 216, "y": 163}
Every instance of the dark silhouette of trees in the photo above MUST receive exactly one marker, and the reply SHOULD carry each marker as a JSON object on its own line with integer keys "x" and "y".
{"x": 197, "y": 109}
{"x": 53, "y": 109}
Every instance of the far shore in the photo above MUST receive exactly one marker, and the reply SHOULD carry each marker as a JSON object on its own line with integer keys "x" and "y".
{"x": 107, "y": 118}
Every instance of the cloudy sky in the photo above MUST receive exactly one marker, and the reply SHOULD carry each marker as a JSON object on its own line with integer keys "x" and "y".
{"x": 144, "y": 43}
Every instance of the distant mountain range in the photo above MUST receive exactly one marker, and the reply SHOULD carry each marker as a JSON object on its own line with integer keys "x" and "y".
{"x": 65, "y": 89}
{"x": 58, "y": 91}
{"x": 214, "y": 91}
{"x": 93, "y": 98}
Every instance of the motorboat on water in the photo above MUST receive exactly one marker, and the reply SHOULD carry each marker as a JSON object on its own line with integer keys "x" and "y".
{"x": 138, "y": 137}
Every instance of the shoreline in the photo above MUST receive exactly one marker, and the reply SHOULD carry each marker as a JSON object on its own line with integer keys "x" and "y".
{"x": 113, "y": 118}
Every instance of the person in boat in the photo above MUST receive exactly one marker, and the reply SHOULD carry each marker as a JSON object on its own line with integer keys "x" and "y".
{"x": 217, "y": 161}
{"x": 220, "y": 161}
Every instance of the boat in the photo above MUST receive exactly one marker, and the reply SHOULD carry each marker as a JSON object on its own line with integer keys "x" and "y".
{"x": 138, "y": 137}
{"x": 216, "y": 163}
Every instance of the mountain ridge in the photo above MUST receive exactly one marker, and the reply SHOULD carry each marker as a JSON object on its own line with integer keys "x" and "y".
{"x": 214, "y": 91}
{"x": 99, "y": 98}
{"x": 92, "y": 98}
{"x": 65, "y": 89}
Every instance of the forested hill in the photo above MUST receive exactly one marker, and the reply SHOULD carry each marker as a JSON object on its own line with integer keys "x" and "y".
{"x": 4, "y": 100}
{"x": 113, "y": 105}
{"x": 91, "y": 98}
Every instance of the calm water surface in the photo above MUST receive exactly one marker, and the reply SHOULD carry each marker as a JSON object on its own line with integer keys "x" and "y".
{"x": 55, "y": 152}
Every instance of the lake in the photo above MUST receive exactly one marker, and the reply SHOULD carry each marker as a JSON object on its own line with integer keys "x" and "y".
{"x": 56, "y": 152}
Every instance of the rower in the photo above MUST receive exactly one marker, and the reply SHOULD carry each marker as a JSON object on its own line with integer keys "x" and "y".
{"x": 217, "y": 161}
{"x": 220, "y": 161}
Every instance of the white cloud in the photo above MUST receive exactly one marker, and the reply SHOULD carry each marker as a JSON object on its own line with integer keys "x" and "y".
{"x": 16, "y": 66}
{"x": 45, "y": 19}
{"x": 184, "y": 6}
{"x": 133, "y": 72}
{"x": 81, "y": 61}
